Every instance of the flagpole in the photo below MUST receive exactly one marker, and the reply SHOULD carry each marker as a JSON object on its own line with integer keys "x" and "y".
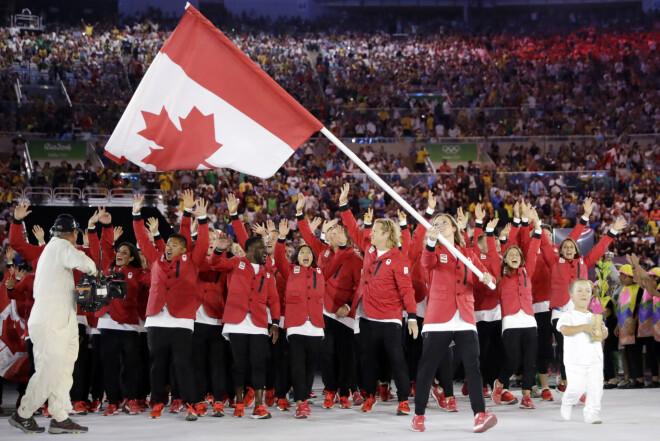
{"x": 341, "y": 146}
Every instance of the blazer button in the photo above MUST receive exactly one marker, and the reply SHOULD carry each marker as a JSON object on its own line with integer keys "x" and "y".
{"x": 168, "y": 289}
{"x": 458, "y": 281}
{"x": 168, "y": 277}
{"x": 309, "y": 298}
{"x": 252, "y": 289}
{"x": 250, "y": 299}
{"x": 458, "y": 293}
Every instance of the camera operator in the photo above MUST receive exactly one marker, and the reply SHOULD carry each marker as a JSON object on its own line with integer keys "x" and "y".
{"x": 53, "y": 328}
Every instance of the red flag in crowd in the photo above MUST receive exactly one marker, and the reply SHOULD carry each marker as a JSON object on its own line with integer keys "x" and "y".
{"x": 13, "y": 356}
{"x": 205, "y": 104}
{"x": 608, "y": 157}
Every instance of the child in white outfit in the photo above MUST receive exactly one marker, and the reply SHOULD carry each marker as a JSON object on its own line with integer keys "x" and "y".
{"x": 582, "y": 357}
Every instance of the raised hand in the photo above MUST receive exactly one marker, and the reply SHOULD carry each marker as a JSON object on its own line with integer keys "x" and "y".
{"x": 11, "y": 282}
{"x": 200, "y": 208}
{"x": 633, "y": 260}
{"x": 516, "y": 210}
{"x": 492, "y": 224}
{"x": 94, "y": 219}
{"x": 300, "y": 203}
{"x": 461, "y": 218}
{"x": 620, "y": 224}
{"x": 506, "y": 230}
{"x": 232, "y": 204}
{"x": 188, "y": 199}
{"x": 284, "y": 228}
{"x": 343, "y": 196}
{"x": 270, "y": 225}
{"x": 138, "y": 200}
{"x": 340, "y": 235}
{"x": 19, "y": 274}
{"x": 314, "y": 224}
{"x": 9, "y": 254}
{"x": 117, "y": 232}
{"x": 152, "y": 223}
{"x": 433, "y": 233}
{"x": 401, "y": 215}
{"x": 479, "y": 212}
{"x": 431, "y": 200}
{"x": 588, "y": 206}
{"x": 104, "y": 217}
{"x": 327, "y": 225}
{"x": 237, "y": 251}
{"x": 260, "y": 229}
{"x": 39, "y": 234}
{"x": 21, "y": 211}
{"x": 369, "y": 216}
{"x": 86, "y": 239}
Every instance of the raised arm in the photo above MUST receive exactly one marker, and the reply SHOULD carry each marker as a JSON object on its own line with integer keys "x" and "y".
{"x": 186, "y": 219}
{"x": 148, "y": 249}
{"x": 239, "y": 228}
{"x": 29, "y": 252}
{"x": 202, "y": 245}
{"x": 597, "y": 252}
{"x": 349, "y": 221}
{"x": 280, "y": 250}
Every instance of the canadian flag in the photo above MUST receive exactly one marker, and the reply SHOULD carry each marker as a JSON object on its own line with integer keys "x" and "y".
{"x": 14, "y": 365}
{"x": 608, "y": 157}
{"x": 205, "y": 104}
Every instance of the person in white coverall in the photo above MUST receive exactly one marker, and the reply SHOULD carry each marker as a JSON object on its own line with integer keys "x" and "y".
{"x": 53, "y": 329}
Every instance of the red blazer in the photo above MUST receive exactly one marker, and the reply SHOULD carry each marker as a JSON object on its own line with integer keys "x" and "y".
{"x": 485, "y": 298}
{"x": 341, "y": 270}
{"x": 143, "y": 295}
{"x": 247, "y": 291}
{"x": 305, "y": 291}
{"x": 173, "y": 284}
{"x": 211, "y": 292}
{"x": 515, "y": 289}
{"x": 386, "y": 287}
{"x": 417, "y": 273}
{"x": 564, "y": 272}
{"x": 450, "y": 284}
{"x": 23, "y": 294}
{"x": 126, "y": 311}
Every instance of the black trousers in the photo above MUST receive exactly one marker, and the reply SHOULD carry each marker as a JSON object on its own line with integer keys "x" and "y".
{"x": 171, "y": 344}
{"x": 249, "y": 354}
{"x": 337, "y": 356}
{"x": 436, "y": 345}
{"x": 520, "y": 347}
{"x": 633, "y": 355}
{"x": 413, "y": 348}
{"x": 96, "y": 386}
{"x": 559, "y": 349}
{"x": 544, "y": 341}
{"x": 143, "y": 373}
{"x": 651, "y": 359}
{"x": 445, "y": 372}
{"x": 281, "y": 365}
{"x": 490, "y": 350}
{"x": 304, "y": 352}
{"x": 120, "y": 353}
{"x": 80, "y": 387}
{"x": 209, "y": 361}
{"x": 376, "y": 337}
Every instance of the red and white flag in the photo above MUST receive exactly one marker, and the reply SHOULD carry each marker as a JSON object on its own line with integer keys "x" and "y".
{"x": 608, "y": 157}
{"x": 14, "y": 365}
{"x": 205, "y": 104}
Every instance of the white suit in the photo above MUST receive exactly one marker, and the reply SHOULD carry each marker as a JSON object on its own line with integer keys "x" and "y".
{"x": 53, "y": 328}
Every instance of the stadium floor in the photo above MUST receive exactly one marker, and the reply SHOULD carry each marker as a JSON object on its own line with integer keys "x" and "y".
{"x": 627, "y": 414}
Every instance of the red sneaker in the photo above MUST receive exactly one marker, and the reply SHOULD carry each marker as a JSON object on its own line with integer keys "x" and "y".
{"x": 329, "y": 401}
{"x": 306, "y": 407}
{"x": 209, "y": 399}
{"x": 269, "y": 401}
{"x": 239, "y": 410}
{"x": 142, "y": 404}
{"x": 498, "y": 389}
{"x": 260, "y": 413}
{"x": 484, "y": 421}
{"x": 191, "y": 413}
{"x": 403, "y": 409}
{"x": 345, "y": 404}
{"x": 464, "y": 389}
{"x": 561, "y": 388}
{"x": 131, "y": 407}
{"x": 248, "y": 397}
{"x": 122, "y": 403}
{"x": 384, "y": 392}
{"x": 418, "y": 423}
{"x": 218, "y": 409}
{"x": 96, "y": 406}
{"x": 46, "y": 413}
{"x": 201, "y": 408}
{"x": 363, "y": 393}
{"x": 527, "y": 403}
{"x": 300, "y": 411}
{"x": 451, "y": 405}
{"x": 583, "y": 398}
{"x": 412, "y": 389}
{"x": 369, "y": 403}
{"x": 176, "y": 406}
{"x": 283, "y": 404}
{"x": 156, "y": 411}
{"x": 79, "y": 408}
{"x": 357, "y": 398}
{"x": 546, "y": 395}
{"x": 486, "y": 393}
{"x": 111, "y": 410}
{"x": 508, "y": 398}
{"x": 439, "y": 397}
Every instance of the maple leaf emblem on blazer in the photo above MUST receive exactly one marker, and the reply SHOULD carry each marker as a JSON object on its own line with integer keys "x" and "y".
{"x": 187, "y": 148}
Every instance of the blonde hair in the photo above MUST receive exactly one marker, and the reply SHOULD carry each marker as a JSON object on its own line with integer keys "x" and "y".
{"x": 571, "y": 287}
{"x": 458, "y": 238}
{"x": 390, "y": 227}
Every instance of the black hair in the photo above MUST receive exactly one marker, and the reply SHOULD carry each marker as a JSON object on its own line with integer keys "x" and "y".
{"x": 252, "y": 241}
{"x": 135, "y": 254}
{"x": 294, "y": 258}
{"x": 180, "y": 238}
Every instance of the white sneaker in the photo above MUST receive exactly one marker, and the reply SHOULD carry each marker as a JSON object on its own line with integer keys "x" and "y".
{"x": 593, "y": 419}
{"x": 566, "y": 412}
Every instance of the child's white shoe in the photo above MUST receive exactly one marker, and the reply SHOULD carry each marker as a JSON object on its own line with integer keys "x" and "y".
{"x": 566, "y": 412}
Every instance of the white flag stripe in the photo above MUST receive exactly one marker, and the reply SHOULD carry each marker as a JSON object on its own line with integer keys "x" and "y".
{"x": 166, "y": 85}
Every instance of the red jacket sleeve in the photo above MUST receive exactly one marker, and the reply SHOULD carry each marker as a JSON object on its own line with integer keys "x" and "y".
{"x": 28, "y": 251}
{"x": 597, "y": 252}
{"x": 429, "y": 257}
{"x": 184, "y": 228}
{"x": 220, "y": 262}
{"x": 273, "y": 299}
{"x": 405, "y": 239}
{"x": 280, "y": 259}
{"x": 531, "y": 256}
{"x": 494, "y": 260}
{"x": 107, "y": 245}
{"x": 577, "y": 230}
{"x": 353, "y": 230}
{"x": 159, "y": 243}
{"x": 201, "y": 247}
{"x": 478, "y": 231}
{"x": 148, "y": 249}
{"x": 239, "y": 230}
{"x": 404, "y": 284}
{"x": 317, "y": 246}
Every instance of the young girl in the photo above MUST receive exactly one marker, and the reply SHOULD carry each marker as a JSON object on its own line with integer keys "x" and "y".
{"x": 518, "y": 322}
{"x": 305, "y": 289}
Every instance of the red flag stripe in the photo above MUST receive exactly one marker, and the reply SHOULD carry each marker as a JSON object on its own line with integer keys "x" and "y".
{"x": 235, "y": 78}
